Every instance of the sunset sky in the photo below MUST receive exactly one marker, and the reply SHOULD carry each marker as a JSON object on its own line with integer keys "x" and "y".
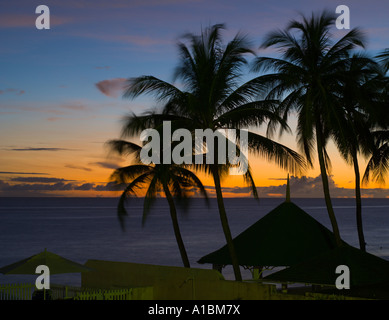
{"x": 60, "y": 97}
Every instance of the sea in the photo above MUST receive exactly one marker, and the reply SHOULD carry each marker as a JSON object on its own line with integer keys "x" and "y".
{"x": 80, "y": 229}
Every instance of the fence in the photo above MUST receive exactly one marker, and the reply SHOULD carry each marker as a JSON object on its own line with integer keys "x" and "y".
{"x": 59, "y": 292}
{"x": 16, "y": 291}
{"x": 25, "y": 292}
{"x": 141, "y": 293}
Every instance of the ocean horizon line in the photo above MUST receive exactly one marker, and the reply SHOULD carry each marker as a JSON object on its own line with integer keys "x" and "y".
{"x": 190, "y": 198}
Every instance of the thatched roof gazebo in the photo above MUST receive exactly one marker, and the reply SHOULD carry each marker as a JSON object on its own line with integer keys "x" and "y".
{"x": 289, "y": 237}
{"x": 284, "y": 237}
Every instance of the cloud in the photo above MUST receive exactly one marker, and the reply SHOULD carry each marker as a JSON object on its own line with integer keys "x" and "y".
{"x": 85, "y": 187}
{"x": 12, "y": 172}
{"x": 227, "y": 191}
{"x": 38, "y": 149}
{"x": 77, "y": 167}
{"x": 59, "y": 186}
{"x": 39, "y": 180}
{"x": 76, "y": 107}
{"x": 134, "y": 40}
{"x": 121, "y": 4}
{"x": 18, "y": 92}
{"x": 52, "y": 119}
{"x": 103, "y": 68}
{"x": 8, "y": 112}
{"x": 307, "y": 187}
{"x": 142, "y": 41}
{"x": 110, "y": 186}
{"x": 105, "y": 165}
{"x": 111, "y": 88}
{"x": 311, "y": 187}
{"x": 303, "y": 187}
{"x": 20, "y": 189}
{"x": 9, "y": 20}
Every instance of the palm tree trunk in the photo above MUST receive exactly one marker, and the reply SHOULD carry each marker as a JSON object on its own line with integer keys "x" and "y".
{"x": 358, "y": 200}
{"x": 225, "y": 225}
{"x": 176, "y": 227}
{"x": 326, "y": 189}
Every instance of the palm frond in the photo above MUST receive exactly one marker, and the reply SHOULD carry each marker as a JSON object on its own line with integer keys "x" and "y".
{"x": 383, "y": 58}
{"x": 127, "y": 174}
{"x": 124, "y": 148}
{"x": 249, "y": 180}
{"x": 129, "y": 190}
{"x": 251, "y": 114}
{"x": 283, "y": 156}
{"x": 160, "y": 89}
{"x": 378, "y": 165}
{"x": 152, "y": 190}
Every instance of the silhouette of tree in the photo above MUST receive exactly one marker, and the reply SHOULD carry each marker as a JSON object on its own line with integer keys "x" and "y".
{"x": 308, "y": 78}
{"x": 212, "y": 98}
{"x": 174, "y": 181}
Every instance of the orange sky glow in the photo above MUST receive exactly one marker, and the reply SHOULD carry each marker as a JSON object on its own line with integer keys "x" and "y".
{"x": 61, "y": 97}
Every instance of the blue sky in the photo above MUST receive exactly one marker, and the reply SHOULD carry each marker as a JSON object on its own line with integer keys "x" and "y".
{"x": 48, "y": 93}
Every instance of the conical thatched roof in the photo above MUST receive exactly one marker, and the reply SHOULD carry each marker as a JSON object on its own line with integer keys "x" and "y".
{"x": 285, "y": 236}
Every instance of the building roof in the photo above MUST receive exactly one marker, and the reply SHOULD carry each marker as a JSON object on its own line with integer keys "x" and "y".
{"x": 285, "y": 236}
{"x": 364, "y": 268}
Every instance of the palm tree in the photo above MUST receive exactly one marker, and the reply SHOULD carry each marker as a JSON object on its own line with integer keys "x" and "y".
{"x": 358, "y": 97}
{"x": 309, "y": 77}
{"x": 359, "y": 143}
{"x": 172, "y": 180}
{"x": 362, "y": 111}
{"x": 383, "y": 57}
{"x": 378, "y": 165}
{"x": 211, "y": 98}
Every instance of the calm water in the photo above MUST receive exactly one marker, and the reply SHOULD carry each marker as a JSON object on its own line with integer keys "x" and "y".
{"x": 87, "y": 228}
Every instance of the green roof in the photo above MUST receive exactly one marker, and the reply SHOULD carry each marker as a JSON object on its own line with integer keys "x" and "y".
{"x": 56, "y": 264}
{"x": 285, "y": 236}
{"x": 365, "y": 268}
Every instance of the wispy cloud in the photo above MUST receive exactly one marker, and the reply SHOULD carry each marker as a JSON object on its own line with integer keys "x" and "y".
{"x": 39, "y": 180}
{"x": 13, "y": 172}
{"x": 71, "y": 166}
{"x": 59, "y": 186}
{"x": 13, "y": 20}
{"x": 303, "y": 187}
{"x": 19, "y": 189}
{"x": 143, "y": 41}
{"x": 52, "y": 119}
{"x": 105, "y": 165}
{"x": 112, "y": 87}
{"x": 39, "y": 149}
{"x": 8, "y": 112}
{"x": 74, "y": 106}
{"x": 18, "y": 92}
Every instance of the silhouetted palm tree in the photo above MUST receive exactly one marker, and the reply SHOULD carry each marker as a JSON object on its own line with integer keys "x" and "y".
{"x": 309, "y": 77}
{"x": 361, "y": 111}
{"x": 378, "y": 165}
{"x": 211, "y": 98}
{"x": 174, "y": 181}
{"x": 383, "y": 57}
